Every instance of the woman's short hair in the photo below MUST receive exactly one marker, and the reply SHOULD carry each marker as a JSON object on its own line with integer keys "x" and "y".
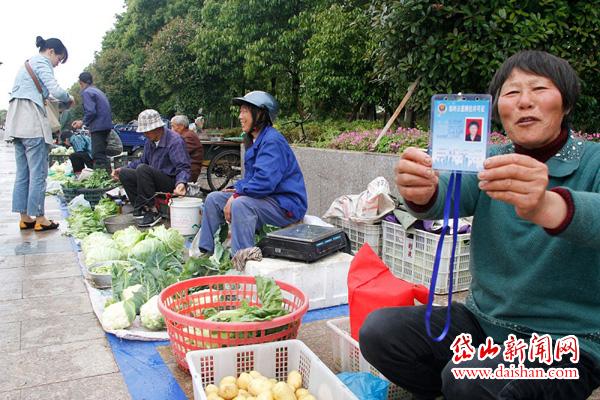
{"x": 180, "y": 120}
{"x": 558, "y": 70}
{"x": 52, "y": 43}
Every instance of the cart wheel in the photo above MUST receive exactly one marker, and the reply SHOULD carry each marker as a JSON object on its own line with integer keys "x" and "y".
{"x": 223, "y": 168}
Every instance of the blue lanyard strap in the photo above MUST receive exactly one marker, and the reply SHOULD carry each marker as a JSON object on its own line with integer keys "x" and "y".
{"x": 453, "y": 191}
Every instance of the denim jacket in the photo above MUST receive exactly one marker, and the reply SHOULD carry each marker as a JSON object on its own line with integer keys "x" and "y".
{"x": 24, "y": 87}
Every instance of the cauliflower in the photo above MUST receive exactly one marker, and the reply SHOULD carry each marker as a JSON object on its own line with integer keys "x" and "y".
{"x": 118, "y": 315}
{"x": 151, "y": 316}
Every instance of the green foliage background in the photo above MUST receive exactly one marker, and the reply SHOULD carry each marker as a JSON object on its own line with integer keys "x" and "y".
{"x": 341, "y": 60}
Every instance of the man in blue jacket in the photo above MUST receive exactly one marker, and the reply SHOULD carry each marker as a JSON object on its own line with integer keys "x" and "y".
{"x": 164, "y": 167}
{"x": 272, "y": 191}
{"x": 97, "y": 117}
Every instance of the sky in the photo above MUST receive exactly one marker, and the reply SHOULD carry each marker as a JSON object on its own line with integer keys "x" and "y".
{"x": 79, "y": 24}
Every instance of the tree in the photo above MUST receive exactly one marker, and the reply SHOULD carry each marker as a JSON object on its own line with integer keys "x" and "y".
{"x": 457, "y": 46}
{"x": 337, "y": 70}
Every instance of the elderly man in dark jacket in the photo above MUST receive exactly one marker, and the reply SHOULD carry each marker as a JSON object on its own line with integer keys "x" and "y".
{"x": 164, "y": 167}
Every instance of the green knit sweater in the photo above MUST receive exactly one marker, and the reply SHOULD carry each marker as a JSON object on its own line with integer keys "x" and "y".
{"x": 524, "y": 279}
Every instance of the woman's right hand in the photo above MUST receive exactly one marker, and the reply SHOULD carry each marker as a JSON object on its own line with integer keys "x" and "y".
{"x": 415, "y": 179}
{"x": 115, "y": 174}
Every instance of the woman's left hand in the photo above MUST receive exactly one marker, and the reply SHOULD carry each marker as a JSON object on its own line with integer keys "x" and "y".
{"x": 515, "y": 179}
{"x": 522, "y": 181}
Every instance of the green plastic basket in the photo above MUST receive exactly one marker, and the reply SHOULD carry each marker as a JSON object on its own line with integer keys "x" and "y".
{"x": 92, "y": 195}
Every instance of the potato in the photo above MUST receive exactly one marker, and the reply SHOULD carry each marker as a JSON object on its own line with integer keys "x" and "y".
{"x": 228, "y": 390}
{"x": 211, "y": 389}
{"x": 283, "y": 391}
{"x": 266, "y": 395}
{"x": 259, "y": 385}
{"x": 243, "y": 392}
{"x": 295, "y": 379}
{"x": 273, "y": 381}
{"x": 307, "y": 397}
{"x": 243, "y": 380}
{"x": 255, "y": 374}
{"x": 228, "y": 379}
{"x": 301, "y": 392}
{"x": 214, "y": 396}
{"x": 240, "y": 397}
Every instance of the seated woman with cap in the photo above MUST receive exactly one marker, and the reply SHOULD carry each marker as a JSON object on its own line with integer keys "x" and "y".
{"x": 272, "y": 191}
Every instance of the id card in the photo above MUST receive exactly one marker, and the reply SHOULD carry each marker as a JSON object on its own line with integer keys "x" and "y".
{"x": 460, "y": 128}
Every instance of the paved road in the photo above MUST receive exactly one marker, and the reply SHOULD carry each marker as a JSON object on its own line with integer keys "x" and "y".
{"x": 51, "y": 345}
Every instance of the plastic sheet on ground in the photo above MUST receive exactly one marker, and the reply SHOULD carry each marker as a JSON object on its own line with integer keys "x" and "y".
{"x": 98, "y": 298}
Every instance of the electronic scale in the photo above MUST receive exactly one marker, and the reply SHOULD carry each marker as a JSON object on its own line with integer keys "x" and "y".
{"x": 304, "y": 242}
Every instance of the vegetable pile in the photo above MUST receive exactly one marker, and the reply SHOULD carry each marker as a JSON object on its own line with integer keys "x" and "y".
{"x": 61, "y": 151}
{"x": 253, "y": 386}
{"x": 99, "y": 179}
{"x": 83, "y": 220}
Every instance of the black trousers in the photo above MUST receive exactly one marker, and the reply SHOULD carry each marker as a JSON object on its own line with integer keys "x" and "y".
{"x": 99, "y": 142}
{"x": 81, "y": 159}
{"x": 394, "y": 341}
{"x": 142, "y": 183}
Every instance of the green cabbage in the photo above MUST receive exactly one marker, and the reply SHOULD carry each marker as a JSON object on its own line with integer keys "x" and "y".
{"x": 128, "y": 237}
{"x": 135, "y": 293}
{"x": 146, "y": 249}
{"x": 172, "y": 239}
{"x": 105, "y": 251}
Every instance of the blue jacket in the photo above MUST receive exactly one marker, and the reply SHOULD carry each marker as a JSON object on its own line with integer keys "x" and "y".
{"x": 97, "y": 115}
{"x": 170, "y": 157}
{"x": 271, "y": 170}
{"x": 81, "y": 143}
{"x": 24, "y": 88}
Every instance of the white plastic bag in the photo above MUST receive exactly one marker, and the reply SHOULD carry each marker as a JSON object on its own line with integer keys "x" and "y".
{"x": 79, "y": 201}
{"x": 368, "y": 207}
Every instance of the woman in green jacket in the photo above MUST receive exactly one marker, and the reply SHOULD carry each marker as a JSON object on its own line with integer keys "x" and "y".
{"x": 535, "y": 253}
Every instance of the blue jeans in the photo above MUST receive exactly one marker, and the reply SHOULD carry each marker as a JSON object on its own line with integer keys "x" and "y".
{"x": 247, "y": 216}
{"x": 31, "y": 155}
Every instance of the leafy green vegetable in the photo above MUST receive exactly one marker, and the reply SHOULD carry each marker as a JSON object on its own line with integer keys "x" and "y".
{"x": 107, "y": 251}
{"x": 106, "y": 208}
{"x": 99, "y": 179}
{"x": 217, "y": 264}
{"x": 270, "y": 297}
{"x": 137, "y": 294}
{"x": 84, "y": 221}
{"x": 102, "y": 270}
{"x": 95, "y": 239}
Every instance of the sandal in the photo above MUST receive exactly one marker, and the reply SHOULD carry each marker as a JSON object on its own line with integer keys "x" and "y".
{"x": 26, "y": 225}
{"x": 39, "y": 227}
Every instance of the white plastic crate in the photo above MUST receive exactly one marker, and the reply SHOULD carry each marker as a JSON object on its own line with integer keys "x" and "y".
{"x": 411, "y": 255}
{"x": 273, "y": 360}
{"x": 324, "y": 281}
{"x": 347, "y": 356}
{"x": 360, "y": 234}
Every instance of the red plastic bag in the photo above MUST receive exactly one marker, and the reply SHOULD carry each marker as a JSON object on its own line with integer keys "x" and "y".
{"x": 371, "y": 285}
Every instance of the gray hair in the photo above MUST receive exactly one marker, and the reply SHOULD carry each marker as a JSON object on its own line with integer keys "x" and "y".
{"x": 180, "y": 120}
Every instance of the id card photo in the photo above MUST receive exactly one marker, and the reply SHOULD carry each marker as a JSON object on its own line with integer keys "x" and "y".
{"x": 460, "y": 128}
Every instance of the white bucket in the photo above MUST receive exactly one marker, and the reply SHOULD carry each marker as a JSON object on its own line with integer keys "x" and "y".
{"x": 186, "y": 214}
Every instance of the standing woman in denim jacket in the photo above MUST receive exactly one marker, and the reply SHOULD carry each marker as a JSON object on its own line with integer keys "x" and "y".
{"x": 27, "y": 124}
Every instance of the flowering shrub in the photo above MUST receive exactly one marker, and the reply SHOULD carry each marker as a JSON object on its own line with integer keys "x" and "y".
{"x": 396, "y": 142}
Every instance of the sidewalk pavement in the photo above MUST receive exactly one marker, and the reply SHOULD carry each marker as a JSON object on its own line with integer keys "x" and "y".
{"x": 51, "y": 344}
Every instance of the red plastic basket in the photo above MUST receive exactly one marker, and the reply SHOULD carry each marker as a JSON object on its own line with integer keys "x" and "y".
{"x": 182, "y": 304}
